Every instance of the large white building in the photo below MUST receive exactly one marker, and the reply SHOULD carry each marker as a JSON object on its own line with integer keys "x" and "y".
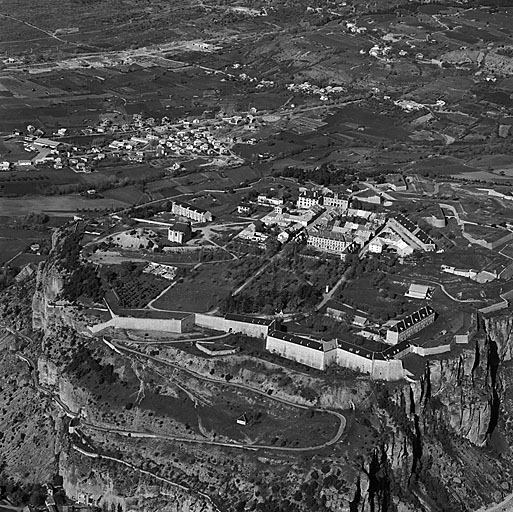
{"x": 336, "y": 201}
{"x": 179, "y": 232}
{"x": 190, "y": 212}
{"x": 307, "y": 198}
{"x": 321, "y": 354}
{"x": 328, "y": 240}
{"x": 314, "y": 353}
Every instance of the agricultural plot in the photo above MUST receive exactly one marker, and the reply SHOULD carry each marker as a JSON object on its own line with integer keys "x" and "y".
{"x": 10, "y": 248}
{"x": 131, "y": 194}
{"x": 131, "y": 287}
{"x": 200, "y": 290}
{"x": 382, "y": 298}
{"x": 63, "y": 206}
{"x": 349, "y": 118}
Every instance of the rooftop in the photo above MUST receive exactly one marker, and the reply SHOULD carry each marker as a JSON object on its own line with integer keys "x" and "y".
{"x": 190, "y": 206}
{"x": 298, "y": 340}
{"x": 249, "y": 319}
{"x": 413, "y": 319}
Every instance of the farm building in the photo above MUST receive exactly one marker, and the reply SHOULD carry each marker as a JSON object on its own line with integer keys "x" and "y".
{"x": 418, "y": 291}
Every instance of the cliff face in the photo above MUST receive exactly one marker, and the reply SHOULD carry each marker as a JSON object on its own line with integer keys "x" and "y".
{"x": 447, "y": 439}
{"x": 417, "y": 446}
{"x": 49, "y": 311}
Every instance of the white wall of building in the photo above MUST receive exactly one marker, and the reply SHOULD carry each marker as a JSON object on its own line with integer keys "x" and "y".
{"x": 299, "y": 353}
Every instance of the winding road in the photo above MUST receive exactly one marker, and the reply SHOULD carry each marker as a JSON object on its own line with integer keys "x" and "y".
{"x": 138, "y": 434}
{"x": 245, "y": 446}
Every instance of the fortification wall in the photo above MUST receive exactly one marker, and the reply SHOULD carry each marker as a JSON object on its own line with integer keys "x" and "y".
{"x": 304, "y": 355}
{"x": 211, "y": 322}
{"x": 221, "y": 324}
{"x": 388, "y": 370}
{"x": 353, "y": 361}
{"x": 147, "y": 324}
{"x": 431, "y": 351}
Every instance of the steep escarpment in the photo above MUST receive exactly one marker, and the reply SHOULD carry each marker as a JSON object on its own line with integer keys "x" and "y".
{"x": 447, "y": 436}
{"x": 129, "y": 432}
{"x": 49, "y": 310}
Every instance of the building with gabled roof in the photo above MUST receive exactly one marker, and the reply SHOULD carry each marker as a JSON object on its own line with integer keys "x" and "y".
{"x": 191, "y": 212}
{"x": 418, "y": 291}
{"x": 307, "y": 198}
{"x": 411, "y": 233}
{"x": 179, "y": 232}
{"x": 410, "y": 325}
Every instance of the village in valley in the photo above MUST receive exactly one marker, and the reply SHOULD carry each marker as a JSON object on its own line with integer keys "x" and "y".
{"x": 378, "y": 275}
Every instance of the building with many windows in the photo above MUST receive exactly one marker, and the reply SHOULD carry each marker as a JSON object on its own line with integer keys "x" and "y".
{"x": 308, "y": 198}
{"x": 328, "y": 240}
{"x": 336, "y": 201}
{"x": 410, "y": 325}
{"x": 191, "y": 212}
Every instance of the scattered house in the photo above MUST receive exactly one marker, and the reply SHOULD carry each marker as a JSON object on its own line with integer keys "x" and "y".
{"x": 5, "y": 166}
{"x": 418, "y": 291}
{"x": 376, "y": 246}
{"x": 251, "y": 234}
{"x": 159, "y": 269}
{"x": 272, "y": 201}
{"x": 410, "y": 325}
{"x": 244, "y": 209}
{"x": 395, "y": 182}
{"x": 24, "y": 163}
{"x": 360, "y": 321}
{"x": 242, "y": 420}
{"x": 480, "y": 276}
{"x": 179, "y": 232}
{"x": 285, "y": 219}
{"x": 47, "y": 143}
{"x": 339, "y": 311}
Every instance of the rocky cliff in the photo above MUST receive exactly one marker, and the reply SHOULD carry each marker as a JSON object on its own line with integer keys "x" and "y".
{"x": 441, "y": 443}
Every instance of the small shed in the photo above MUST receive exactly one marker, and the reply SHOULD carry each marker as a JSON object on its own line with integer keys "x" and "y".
{"x": 242, "y": 420}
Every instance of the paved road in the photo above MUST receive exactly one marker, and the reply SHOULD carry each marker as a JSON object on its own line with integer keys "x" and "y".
{"x": 442, "y": 287}
{"x": 330, "y": 294}
{"x": 130, "y": 433}
{"x": 331, "y": 442}
{"x": 172, "y": 342}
